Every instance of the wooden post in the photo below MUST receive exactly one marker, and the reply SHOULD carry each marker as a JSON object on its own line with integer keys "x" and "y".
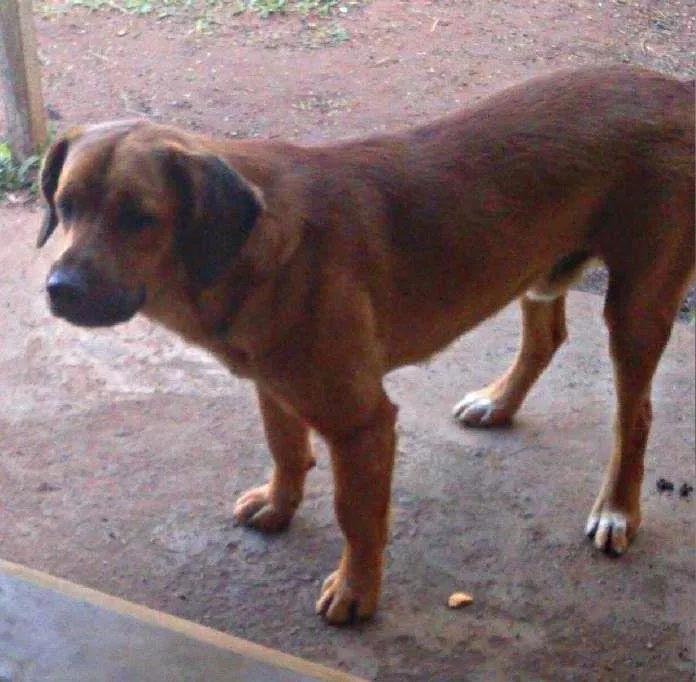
{"x": 21, "y": 79}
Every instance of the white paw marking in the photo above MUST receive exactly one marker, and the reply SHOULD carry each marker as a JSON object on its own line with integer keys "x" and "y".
{"x": 591, "y": 525}
{"x": 610, "y": 531}
{"x": 474, "y": 402}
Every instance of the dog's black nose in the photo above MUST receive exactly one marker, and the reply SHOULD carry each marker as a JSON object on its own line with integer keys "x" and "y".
{"x": 66, "y": 287}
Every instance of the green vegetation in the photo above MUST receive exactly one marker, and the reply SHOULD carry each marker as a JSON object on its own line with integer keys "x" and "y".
{"x": 205, "y": 15}
{"x": 14, "y": 175}
{"x": 126, "y": 6}
{"x": 199, "y": 8}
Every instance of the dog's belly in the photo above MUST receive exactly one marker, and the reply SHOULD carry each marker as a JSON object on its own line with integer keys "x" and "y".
{"x": 418, "y": 330}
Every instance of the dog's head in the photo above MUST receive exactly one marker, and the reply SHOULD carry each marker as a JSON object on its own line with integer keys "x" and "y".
{"x": 139, "y": 203}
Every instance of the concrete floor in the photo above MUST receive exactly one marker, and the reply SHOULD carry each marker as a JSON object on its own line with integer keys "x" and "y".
{"x": 123, "y": 452}
{"x": 53, "y": 630}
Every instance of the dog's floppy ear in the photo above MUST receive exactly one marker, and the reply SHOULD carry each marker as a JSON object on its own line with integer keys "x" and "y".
{"x": 217, "y": 210}
{"x": 51, "y": 168}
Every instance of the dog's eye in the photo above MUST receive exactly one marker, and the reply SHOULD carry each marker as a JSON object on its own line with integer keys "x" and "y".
{"x": 132, "y": 220}
{"x": 66, "y": 208}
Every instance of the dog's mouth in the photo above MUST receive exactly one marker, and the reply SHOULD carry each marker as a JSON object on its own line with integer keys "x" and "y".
{"x": 88, "y": 302}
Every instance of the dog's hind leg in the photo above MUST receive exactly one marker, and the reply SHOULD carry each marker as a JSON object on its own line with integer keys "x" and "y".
{"x": 646, "y": 283}
{"x": 543, "y": 331}
{"x": 270, "y": 507}
{"x": 639, "y": 316}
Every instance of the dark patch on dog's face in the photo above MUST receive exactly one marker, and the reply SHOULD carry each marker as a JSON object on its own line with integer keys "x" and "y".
{"x": 217, "y": 210}
{"x": 48, "y": 182}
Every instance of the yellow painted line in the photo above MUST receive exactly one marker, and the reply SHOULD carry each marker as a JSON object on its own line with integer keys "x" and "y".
{"x": 163, "y": 620}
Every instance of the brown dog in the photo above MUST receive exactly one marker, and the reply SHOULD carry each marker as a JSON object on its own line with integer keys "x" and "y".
{"x": 315, "y": 271}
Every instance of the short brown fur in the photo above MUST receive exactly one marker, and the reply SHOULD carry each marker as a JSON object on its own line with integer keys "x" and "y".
{"x": 315, "y": 271}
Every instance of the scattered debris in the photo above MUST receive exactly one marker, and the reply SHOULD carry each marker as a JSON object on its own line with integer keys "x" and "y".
{"x": 663, "y": 485}
{"x": 46, "y": 487}
{"x": 685, "y": 490}
{"x": 459, "y": 599}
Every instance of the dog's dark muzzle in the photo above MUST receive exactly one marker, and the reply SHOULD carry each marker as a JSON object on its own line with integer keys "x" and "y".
{"x": 84, "y": 299}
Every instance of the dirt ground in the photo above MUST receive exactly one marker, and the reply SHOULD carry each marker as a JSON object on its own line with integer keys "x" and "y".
{"x": 100, "y": 430}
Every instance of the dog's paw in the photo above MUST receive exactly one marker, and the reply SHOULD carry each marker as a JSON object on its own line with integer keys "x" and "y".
{"x": 257, "y": 509}
{"x": 479, "y": 409}
{"x": 611, "y": 531}
{"x": 340, "y": 604}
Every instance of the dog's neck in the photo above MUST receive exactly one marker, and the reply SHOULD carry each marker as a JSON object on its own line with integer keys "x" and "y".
{"x": 216, "y": 318}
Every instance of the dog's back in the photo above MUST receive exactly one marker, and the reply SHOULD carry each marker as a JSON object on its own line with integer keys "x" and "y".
{"x": 591, "y": 155}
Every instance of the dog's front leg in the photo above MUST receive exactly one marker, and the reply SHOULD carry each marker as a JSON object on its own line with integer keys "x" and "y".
{"x": 270, "y": 507}
{"x": 362, "y": 465}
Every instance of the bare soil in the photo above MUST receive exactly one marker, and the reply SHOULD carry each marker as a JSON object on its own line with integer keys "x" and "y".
{"x": 100, "y": 429}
